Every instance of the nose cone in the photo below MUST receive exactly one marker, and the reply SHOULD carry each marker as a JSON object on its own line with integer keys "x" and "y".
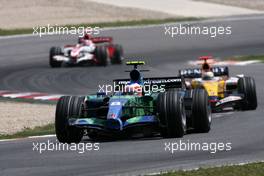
{"x": 115, "y": 110}
{"x": 211, "y": 88}
{"x": 113, "y": 116}
{"x": 115, "y": 113}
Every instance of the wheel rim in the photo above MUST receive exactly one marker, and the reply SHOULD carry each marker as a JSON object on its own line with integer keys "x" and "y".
{"x": 209, "y": 112}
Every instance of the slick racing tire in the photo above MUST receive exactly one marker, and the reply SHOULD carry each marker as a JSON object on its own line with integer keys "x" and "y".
{"x": 54, "y": 51}
{"x": 161, "y": 113}
{"x": 171, "y": 112}
{"x": 117, "y": 55}
{"x": 101, "y": 55}
{"x": 247, "y": 87}
{"x": 68, "y": 106}
{"x": 201, "y": 111}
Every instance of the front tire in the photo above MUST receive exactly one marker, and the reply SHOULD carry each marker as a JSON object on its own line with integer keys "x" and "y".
{"x": 171, "y": 112}
{"x": 54, "y": 51}
{"x": 68, "y": 107}
{"x": 247, "y": 87}
{"x": 201, "y": 111}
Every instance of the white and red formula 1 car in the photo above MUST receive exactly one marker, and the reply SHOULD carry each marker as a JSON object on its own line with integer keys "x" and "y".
{"x": 89, "y": 50}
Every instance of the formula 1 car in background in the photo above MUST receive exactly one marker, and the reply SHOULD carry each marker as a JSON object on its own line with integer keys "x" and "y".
{"x": 138, "y": 107}
{"x": 89, "y": 50}
{"x": 225, "y": 92}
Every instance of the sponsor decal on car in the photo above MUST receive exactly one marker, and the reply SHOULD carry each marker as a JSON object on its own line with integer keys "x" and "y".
{"x": 228, "y": 99}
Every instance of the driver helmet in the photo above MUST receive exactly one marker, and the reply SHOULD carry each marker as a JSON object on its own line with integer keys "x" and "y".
{"x": 134, "y": 89}
{"x": 208, "y": 75}
{"x": 87, "y": 36}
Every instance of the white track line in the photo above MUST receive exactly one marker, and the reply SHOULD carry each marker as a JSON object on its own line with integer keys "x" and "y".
{"x": 43, "y": 136}
{"x": 29, "y": 137}
{"x": 7, "y": 140}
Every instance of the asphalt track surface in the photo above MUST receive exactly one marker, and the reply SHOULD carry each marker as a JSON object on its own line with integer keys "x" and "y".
{"x": 24, "y": 67}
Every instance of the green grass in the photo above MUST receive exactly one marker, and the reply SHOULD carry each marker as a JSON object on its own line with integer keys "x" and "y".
{"x": 4, "y": 32}
{"x": 253, "y": 169}
{"x": 43, "y": 130}
{"x": 246, "y": 58}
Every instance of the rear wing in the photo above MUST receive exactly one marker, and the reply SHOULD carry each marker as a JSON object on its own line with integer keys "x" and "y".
{"x": 197, "y": 72}
{"x": 160, "y": 82}
{"x": 102, "y": 39}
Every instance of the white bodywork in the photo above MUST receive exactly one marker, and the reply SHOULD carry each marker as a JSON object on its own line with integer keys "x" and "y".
{"x": 81, "y": 53}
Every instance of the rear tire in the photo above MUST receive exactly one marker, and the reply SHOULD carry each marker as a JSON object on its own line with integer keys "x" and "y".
{"x": 54, "y": 51}
{"x": 201, "y": 111}
{"x": 117, "y": 55}
{"x": 101, "y": 55}
{"x": 171, "y": 112}
{"x": 247, "y": 86}
{"x": 68, "y": 107}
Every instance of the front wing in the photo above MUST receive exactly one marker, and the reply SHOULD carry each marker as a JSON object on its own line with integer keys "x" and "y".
{"x": 113, "y": 124}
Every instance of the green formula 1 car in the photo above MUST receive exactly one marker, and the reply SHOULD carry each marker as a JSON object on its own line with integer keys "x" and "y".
{"x": 138, "y": 107}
